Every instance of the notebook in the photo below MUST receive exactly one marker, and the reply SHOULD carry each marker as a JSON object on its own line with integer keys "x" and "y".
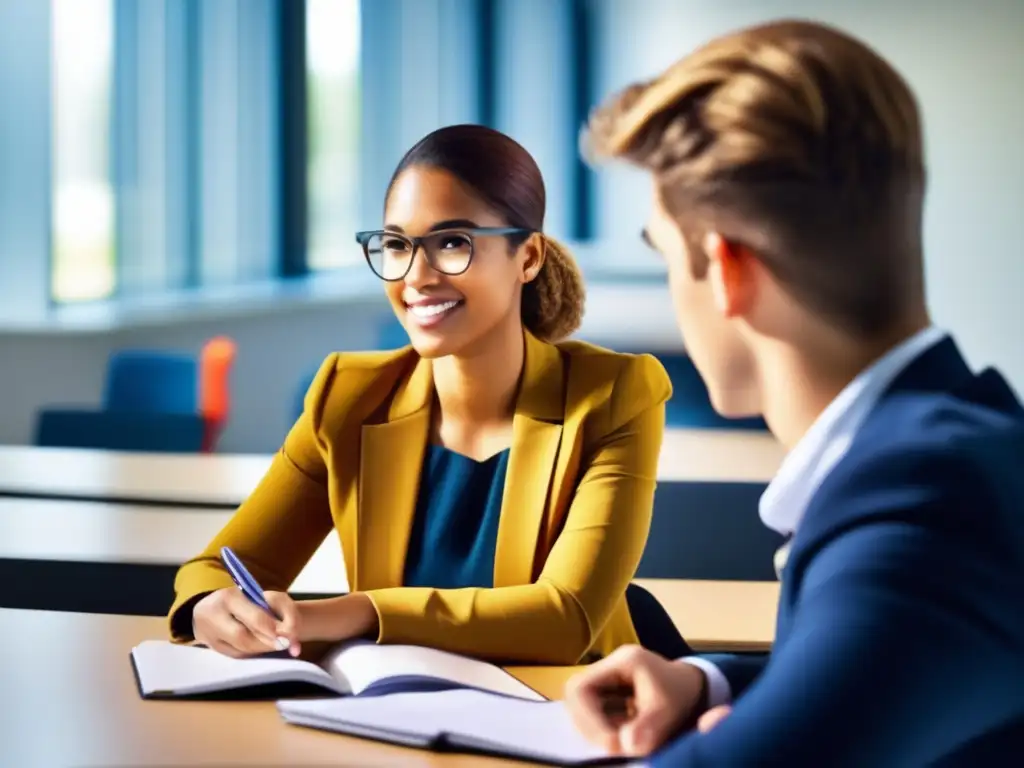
{"x": 470, "y": 721}
{"x": 361, "y": 668}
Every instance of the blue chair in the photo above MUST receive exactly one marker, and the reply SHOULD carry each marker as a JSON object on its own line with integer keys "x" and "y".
{"x": 120, "y": 431}
{"x": 654, "y": 627}
{"x": 152, "y": 381}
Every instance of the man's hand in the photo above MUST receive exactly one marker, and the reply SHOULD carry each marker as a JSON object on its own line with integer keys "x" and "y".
{"x": 713, "y": 717}
{"x": 633, "y": 701}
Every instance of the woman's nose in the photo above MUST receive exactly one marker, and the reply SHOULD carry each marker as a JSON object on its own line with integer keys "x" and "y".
{"x": 420, "y": 272}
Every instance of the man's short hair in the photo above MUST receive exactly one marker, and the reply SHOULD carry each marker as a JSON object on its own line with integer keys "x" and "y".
{"x": 799, "y": 142}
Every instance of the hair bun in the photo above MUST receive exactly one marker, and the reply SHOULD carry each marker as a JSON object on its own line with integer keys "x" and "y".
{"x": 553, "y": 302}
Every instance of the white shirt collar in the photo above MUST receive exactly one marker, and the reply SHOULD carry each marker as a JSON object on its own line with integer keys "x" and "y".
{"x": 786, "y": 498}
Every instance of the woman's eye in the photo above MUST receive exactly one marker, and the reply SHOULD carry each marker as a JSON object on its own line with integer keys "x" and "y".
{"x": 455, "y": 243}
{"x": 394, "y": 244}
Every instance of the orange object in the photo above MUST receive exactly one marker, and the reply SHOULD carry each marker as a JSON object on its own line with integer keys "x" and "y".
{"x": 215, "y": 363}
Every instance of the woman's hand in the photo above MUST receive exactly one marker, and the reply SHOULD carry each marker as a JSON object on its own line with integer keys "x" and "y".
{"x": 335, "y": 619}
{"x": 229, "y": 623}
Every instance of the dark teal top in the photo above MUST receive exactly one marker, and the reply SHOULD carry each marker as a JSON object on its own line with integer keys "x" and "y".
{"x": 455, "y": 530}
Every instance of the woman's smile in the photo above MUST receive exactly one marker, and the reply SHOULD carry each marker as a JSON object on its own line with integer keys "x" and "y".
{"x": 428, "y": 313}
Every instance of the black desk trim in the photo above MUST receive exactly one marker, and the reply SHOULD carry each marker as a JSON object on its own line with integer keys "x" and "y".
{"x": 139, "y": 501}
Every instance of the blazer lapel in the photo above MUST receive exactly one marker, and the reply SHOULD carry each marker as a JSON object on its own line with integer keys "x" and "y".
{"x": 536, "y": 437}
{"x": 389, "y": 471}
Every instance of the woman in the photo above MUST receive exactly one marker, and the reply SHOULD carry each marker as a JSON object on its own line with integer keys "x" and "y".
{"x": 492, "y": 491}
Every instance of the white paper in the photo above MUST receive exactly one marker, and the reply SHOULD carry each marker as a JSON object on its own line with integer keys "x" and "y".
{"x": 542, "y": 730}
{"x": 362, "y": 664}
{"x": 165, "y": 667}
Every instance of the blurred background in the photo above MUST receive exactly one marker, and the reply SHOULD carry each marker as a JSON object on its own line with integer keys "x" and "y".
{"x": 178, "y": 171}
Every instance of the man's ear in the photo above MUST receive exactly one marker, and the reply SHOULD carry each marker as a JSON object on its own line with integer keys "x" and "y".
{"x": 730, "y": 272}
{"x": 534, "y": 251}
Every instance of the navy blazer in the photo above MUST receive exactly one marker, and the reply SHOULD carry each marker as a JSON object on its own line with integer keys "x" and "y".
{"x": 900, "y": 629}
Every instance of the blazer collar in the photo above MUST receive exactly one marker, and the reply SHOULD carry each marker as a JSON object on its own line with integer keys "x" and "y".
{"x": 940, "y": 368}
{"x": 391, "y": 458}
{"x": 540, "y": 391}
{"x": 785, "y": 500}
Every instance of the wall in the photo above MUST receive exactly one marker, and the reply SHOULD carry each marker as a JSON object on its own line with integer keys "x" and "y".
{"x": 275, "y": 350}
{"x": 965, "y": 62}
{"x": 280, "y": 339}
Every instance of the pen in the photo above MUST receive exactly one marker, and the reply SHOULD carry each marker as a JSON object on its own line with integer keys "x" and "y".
{"x": 241, "y": 576}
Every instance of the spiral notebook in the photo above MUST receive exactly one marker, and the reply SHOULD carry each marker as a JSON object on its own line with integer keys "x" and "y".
{"x": 359, "y": 668}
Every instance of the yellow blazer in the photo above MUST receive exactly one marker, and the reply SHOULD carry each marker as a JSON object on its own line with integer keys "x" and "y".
{"x": 575, "y": 514}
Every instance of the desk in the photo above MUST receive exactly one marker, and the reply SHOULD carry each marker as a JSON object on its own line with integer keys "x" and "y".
{"x": 49, "y": 550}
{"x": 117, "y": 557}
{"x": 223, "y": 480}
{"x": 70, "y": 699}
{"x": 720, "y": 615}
{"x": 209, "y": 480}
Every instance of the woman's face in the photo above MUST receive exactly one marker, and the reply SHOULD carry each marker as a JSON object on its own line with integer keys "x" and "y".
{"x": 451, "y": 314}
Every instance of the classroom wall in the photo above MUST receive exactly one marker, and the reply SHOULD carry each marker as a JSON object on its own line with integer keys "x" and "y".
{"x": 275, "y": 350}
{"x": 965, "y": 62}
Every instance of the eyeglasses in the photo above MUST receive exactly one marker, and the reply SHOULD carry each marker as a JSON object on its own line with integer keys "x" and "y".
{"x": 448, "y": 251}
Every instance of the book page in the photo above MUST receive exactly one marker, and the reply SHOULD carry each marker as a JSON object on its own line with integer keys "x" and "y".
{"x": 168, "y": 668}
{"x": 363, "y": 663}
{"x": 466, "y": 719}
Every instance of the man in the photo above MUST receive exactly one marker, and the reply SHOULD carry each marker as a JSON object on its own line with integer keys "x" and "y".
{"x": 788, "y": 170}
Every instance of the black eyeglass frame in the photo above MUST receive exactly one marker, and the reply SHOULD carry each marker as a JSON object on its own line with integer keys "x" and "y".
{"x": 417, "y": 244}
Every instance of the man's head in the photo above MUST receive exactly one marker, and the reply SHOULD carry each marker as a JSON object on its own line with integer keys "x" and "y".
{"x": 788, "y": 172}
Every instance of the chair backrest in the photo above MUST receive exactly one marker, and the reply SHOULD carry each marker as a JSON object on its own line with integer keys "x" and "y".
{"x": 120, "y": 431}
{"x": 152, "y": 381}
{"x": 215, "y": 363}
{"x": 654, "y": 627}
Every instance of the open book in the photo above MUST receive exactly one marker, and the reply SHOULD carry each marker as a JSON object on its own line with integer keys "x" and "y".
{"x": 168, "y": 670}
{"x": 469, "y": 721}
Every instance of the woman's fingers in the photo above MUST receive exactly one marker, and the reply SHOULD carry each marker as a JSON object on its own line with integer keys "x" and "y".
{"x": 229, "y": 623}
{"x": 287, "y": 629}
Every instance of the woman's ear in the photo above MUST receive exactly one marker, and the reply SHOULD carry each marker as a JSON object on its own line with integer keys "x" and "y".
{"x": 534, "y": 252}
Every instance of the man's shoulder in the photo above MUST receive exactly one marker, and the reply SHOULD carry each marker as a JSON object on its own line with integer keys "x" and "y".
{"x": 918, "y": 432}
{"x": 984, "y": 409}
{"x": 929, "y": 459}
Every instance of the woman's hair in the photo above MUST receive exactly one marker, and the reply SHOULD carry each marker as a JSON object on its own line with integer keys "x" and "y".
{"x": 506, "y": 177}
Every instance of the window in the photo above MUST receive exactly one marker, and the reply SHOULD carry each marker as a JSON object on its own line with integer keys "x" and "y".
{"x": 83, "y": 257}
{"x": 166, "y": 161}
{"x": 205, "y": 143}
{"x": 333, "y": 120}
